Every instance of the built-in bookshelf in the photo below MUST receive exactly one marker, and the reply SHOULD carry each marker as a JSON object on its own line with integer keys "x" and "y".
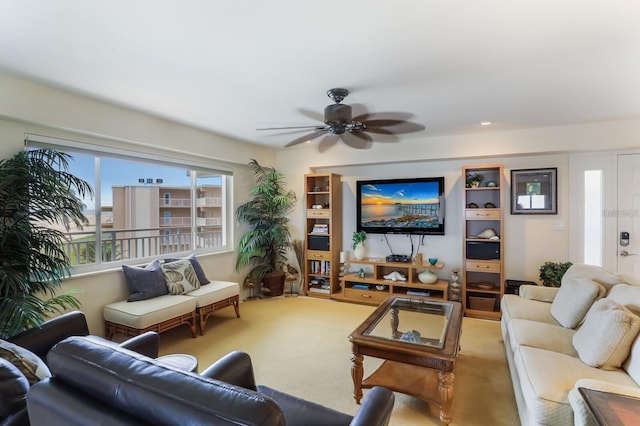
{"x": 323, "y": 242}
{"x": 483, "y": 241}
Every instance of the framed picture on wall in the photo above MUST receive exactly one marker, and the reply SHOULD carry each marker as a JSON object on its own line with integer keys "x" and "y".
{"x": 534, "y": 191}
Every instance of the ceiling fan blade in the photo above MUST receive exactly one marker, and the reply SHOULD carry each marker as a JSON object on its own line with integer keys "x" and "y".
{"x": 327, "y": 142}
{"x": 401, "y": 116}
{"x": 358, "y": 140}
{"x": 383, "y": 135}
{"x": 393, "y": 126}
{"x": 306, "y": 138}
{"x": 310, "y": 126}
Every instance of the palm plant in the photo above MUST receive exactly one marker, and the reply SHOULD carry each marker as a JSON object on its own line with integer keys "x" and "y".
{"x": 264, "y": 247}
{"x": 37, "y": 193}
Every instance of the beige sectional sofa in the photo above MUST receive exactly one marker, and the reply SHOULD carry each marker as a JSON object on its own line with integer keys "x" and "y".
{"x": 583, "y": 334}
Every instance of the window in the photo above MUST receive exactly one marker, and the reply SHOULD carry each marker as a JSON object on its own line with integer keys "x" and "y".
{"x": 143, "y": 207}
{"x": 593, "y": 228}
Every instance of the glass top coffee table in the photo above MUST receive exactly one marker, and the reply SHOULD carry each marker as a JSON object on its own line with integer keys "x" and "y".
{"x": 419, "y": 340}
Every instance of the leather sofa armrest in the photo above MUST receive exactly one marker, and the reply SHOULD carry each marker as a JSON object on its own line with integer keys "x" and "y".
{"x": 537, "y": 292}
{"x": 146, "y": 344}
{"x": 41, "y": 339}
{"x": 375, "y": 409}
{"x": 234, "y": 368}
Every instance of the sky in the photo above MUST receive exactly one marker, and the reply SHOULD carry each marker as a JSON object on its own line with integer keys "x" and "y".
{"x": 404, "y": 193}
{"x": 121, "y": 172}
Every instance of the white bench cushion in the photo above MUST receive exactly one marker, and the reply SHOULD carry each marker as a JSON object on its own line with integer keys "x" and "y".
{"x": 214, "y": 292}
{"x": 145, "y": 313}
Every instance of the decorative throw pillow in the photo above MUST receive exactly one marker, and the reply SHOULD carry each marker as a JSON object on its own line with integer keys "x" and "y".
{"x": 202, "y": 277}
{"x": 13, "y": 388}
{"x": 626, "y": 295}
{"x": 29, "y": 364}
{"x": 180, "y": 277}
{"x": 605, "y": 338}
{"x": 574, "y": 298}
{"x": 144, "y": 283}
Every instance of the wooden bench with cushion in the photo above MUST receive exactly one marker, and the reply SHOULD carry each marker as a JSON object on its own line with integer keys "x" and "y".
{"x": 165, "y": 296}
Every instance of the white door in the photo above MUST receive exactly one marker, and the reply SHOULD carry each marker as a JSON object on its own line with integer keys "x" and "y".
{"x": 629, "y": 214}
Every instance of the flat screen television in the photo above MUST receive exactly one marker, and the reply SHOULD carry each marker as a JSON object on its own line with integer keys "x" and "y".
{"x": 401, "y": 206}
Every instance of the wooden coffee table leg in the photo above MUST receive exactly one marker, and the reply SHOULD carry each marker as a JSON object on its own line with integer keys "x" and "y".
{"x": 356, "y": 374}
{"x": 445, "y": 388}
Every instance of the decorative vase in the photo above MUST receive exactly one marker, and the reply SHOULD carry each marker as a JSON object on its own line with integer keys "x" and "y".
{"x": 427, "y": 277}
{"x": 455, "y": 286}
{"x": 358, "y": 252}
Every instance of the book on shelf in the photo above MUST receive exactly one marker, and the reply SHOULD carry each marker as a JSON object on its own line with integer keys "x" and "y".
{"x": 418, "y": 293}
{"x": 361, "y": 286}
{"x": 319, "y": 290}
{"x": 320, "y": 228}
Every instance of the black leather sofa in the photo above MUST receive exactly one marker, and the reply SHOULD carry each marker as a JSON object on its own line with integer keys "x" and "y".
{"x": 95, "y": 383}
{"x": 39, "y": 341}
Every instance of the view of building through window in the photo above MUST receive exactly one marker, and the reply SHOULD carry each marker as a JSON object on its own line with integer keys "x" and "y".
{"x": 143, "y": 209}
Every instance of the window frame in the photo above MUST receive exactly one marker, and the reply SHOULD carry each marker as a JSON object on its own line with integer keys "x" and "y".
{"x": 161, "y": 158}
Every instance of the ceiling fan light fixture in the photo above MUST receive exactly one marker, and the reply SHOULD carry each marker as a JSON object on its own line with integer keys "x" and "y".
{"x": 486, "y": 123}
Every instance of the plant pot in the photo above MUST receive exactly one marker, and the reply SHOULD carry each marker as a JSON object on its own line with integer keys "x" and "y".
{"x": 358, "y": 252}
{"x": 274, "y": 283}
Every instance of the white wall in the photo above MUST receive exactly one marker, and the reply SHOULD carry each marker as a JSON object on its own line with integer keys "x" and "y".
{"x": 27, "y": 107}
{"x": 530, "y": 239}
{"x": 523, "y": 233}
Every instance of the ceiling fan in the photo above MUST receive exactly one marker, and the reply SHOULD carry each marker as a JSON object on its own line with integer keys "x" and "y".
{"x": 338, "y": 123}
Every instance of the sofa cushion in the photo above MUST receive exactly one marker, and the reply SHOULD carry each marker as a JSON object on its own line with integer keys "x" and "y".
{"x": 546, "y": 377}
{"x": 145, "y": 283}
{"x": 29, "y": 364}
{"x": 13, "y": 388}
{"x": 202, "y": 277}
{"x": 575, "y": 297}
{"x": 514, "y": 306}
{"x": 596, "y": 273}
{"x": 540, "y": 335}
{"x": 626, "y": 295}
{"x": 605, "y": 337}
{"x": 180, "y": 277}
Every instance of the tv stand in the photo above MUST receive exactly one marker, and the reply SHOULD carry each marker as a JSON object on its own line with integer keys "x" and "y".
{"x": 374, "y": 288}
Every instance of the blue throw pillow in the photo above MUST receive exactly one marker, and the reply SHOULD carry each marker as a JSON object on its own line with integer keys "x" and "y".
{"x": 145, "y": 283}
{"x": 202, "y": 277}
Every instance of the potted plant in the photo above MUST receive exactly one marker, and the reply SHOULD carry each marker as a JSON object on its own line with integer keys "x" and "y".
{"x": 358, "y": 244}
{"x": 37, "y": 197}
{"x": 264, "y": 247}
{"x": 551, "y": 273}
{"x": 474, "y": 179}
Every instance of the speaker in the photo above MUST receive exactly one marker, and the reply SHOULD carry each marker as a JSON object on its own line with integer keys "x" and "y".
{"x": 319, "y": 242}
{"x": 483, "y": 250}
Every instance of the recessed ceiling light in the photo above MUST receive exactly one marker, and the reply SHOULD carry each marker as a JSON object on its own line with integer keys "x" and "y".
{"x": 486, "y": 123}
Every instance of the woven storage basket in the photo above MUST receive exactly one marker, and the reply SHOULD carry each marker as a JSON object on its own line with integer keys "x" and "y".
{"x": 482, "y": 303}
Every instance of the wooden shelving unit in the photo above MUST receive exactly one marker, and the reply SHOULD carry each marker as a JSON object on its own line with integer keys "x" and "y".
{"x": 483, "y": 270}
{"x": 378, "y": 288}
{"x": 323, "y": 241}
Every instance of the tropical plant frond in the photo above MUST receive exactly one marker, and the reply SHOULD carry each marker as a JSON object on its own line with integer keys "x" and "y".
{"x": 37, "y": 192}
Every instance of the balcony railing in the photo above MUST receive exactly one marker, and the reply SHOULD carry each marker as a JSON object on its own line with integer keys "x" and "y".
{"x": 209, "y": 202}
{"x": 125, "y": 244}
{"x": 209, "y": 221}
{"x": 175, "y": 202}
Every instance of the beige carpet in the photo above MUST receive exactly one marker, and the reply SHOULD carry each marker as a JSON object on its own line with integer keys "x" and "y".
{"x": 299, "y": 345}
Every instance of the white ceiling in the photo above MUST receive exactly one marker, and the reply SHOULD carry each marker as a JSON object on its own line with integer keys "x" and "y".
{"x": 233, "y": 66}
